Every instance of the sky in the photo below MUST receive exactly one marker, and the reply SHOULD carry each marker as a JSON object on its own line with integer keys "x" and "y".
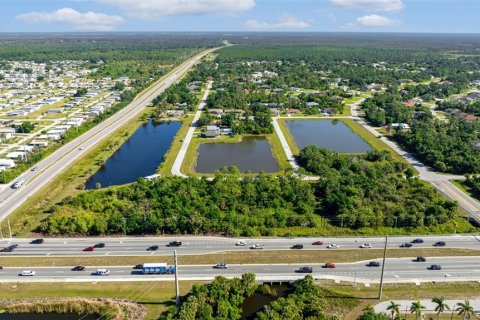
{"x": 426, "y": 16}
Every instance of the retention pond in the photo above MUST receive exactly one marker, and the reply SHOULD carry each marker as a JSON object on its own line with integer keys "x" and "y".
{"x": 333, "y": 135}
{"x": 251, "y": 154}
{"x": 138, "y": 157}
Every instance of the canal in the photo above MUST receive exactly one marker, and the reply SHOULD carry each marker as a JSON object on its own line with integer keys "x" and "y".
{"x": 139, "y": 156}
{"x": 251, "y": 154}
{"x": 333, "y": 135}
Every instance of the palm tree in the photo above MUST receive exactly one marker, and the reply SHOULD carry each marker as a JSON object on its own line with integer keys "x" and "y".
{"x": 394, "y": 309}
{"x": 465, "y": 309}
{"x": 417, "y": 308}
{"x": 441, "y": 305}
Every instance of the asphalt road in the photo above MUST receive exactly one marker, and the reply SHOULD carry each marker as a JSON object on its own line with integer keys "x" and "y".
{"x": 201, "y": 245}
{"x": 396, "y": 270}
{"x": 50, "y": 167}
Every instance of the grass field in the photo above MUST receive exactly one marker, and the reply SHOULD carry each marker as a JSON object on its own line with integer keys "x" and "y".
{"x": 240, "y": 257}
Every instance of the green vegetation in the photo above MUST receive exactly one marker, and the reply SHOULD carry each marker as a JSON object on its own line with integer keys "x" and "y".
{"x": 26, "y": 127}
{"x": 220, "y": 299}
{"x": 374, "y": 192}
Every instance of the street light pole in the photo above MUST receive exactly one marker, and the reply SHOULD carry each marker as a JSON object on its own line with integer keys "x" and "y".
{"x": 9, "y": 229}
{"x": 177, "y": 288}
{"x": 380, "y": 289}
{"x": 355, "y": 276}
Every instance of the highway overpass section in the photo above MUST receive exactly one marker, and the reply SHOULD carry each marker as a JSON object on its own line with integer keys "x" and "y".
{"x": 54, "y": 164}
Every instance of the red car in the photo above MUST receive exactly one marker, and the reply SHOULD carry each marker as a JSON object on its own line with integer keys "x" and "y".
{"x": 89, "y": 249}
{"x": 330, "y": 265}
{"x": 317, "y": 243}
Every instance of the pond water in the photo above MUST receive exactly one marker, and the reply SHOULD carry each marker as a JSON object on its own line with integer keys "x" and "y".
{"x": 333, "y": 135}
{"x": 258, "y": 300}
{"x": 252, "y": 153}
{"x": 139, "y": 156}
{"x": 46, "y": 316}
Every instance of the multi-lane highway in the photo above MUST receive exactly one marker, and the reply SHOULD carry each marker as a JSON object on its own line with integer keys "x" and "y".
{"x": 202, "y": 245}
{"x": 50, "y": 167}
{"x": 396, "y": 270}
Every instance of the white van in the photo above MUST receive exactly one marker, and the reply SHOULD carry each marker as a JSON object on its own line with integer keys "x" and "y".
{"x": 27, "y": 273}
{"x": 102, "y": 272}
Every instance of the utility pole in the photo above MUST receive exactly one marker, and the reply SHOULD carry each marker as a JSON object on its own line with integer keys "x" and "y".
{"x": 177, "y": 288}
{"x": 355, "y": 277}
{"x": 380, "y": 289}
{"x": 9, "y": 229}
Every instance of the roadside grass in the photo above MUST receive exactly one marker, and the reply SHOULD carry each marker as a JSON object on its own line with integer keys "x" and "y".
{"x": 189, "y": 162}
{"x": 288, "y": 136}
{"x": 165, "y": 168}
{"x": 462, "y": 185}
{"x": 404, "y": 291}
{"x": 156, "y": 296}
{"x": 69, "y": 183}
{"x": 286, "y": 256}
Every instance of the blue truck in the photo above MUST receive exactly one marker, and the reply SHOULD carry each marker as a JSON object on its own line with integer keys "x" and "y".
{"x": 157, "y": 268}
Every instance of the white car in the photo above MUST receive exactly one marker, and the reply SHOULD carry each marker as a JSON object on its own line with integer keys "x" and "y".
{"x": 27, "y": 273}
{"x": 257, "y": 246}
{"x": 102, "y": 272}
{"x": 333, "y": 246}
{"x": 366, "y": 246}
{"x": 241, "y": 243}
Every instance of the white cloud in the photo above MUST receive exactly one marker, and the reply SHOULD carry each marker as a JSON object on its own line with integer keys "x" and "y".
{"x": 371, "y": 5}
{"x": 373, "y": 20}
{"x": 155, "y": 9}
{"x": 285, "y": 22}
{"x": 88, "y": 21}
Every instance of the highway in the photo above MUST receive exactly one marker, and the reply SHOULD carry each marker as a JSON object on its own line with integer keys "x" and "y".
{"x": 396, "y": 270}
{"x": 54, "y": 164}
{"x": 202, "y": 245}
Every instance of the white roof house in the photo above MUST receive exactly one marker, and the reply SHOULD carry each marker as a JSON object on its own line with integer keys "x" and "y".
{"x": 7, "y": 163}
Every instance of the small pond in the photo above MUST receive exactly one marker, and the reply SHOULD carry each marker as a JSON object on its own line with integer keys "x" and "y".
{"x": 46, "y": 316}
{"x": 333, "y": 135}
{"x": 138, "y": 157}
{"x": 252, "y": 153}
{"x": 255, "y": 303}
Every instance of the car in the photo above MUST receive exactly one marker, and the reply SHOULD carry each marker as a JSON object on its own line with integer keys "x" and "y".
{"x": 138, "y": 267}
{"x": 34, "y": 169}
{"x": 13, "y": 246}
{"x": 420, "y": 259}
{"x": 80, "y": 149}
{"x": 304, "y": 270}
{"x": 1, "y": 268}
{"x": 152, "y": 248}
{"x": 174, "y": 244}
{"x": 241, "y": 243}
{"x": 37, "y": 241}
{"x": 366, "y": 246}
{"x": 257, "y": 246}
{"x": 406, "y": 245}
{"x": 102, "y": 272}
{"x": 8, "y": 249}
{"x": 317, "y": 243}
{"x": 439, "y": 244}
{"x": 373, "y": 264}
{"x": 220, "y": 265}
{"x": 89, "y": 249}
{"x": 27, "y": 273}
{"x": 333, "y": 246}
{"x": 418, "y": 240}
{"x": 100, "y": 245}
{"x": 330, "y": 265}
{"x": 297, "y": 246}
{"x": 435, "y": 267}
{"x": 78, "y": 268}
